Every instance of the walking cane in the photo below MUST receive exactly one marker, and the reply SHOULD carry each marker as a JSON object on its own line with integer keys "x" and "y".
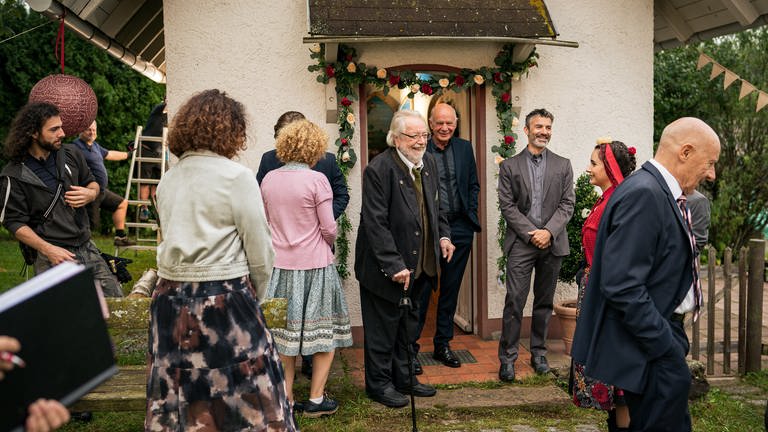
{"x": 405, "y": 307}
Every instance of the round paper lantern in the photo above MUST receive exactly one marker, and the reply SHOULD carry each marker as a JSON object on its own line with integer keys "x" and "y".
{"x": 74, "y": 98}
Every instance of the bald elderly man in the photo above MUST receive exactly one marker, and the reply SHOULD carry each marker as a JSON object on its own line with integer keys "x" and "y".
{"x": 644, "y": 282}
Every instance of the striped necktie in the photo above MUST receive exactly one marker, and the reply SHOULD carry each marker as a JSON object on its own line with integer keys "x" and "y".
{"x": 696, "y": 283}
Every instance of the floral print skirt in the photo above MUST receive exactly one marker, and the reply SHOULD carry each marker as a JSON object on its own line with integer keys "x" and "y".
{"x": 213, "y": 363}
{"x": 589, "y": 392}
{"x": 318, "y": 320}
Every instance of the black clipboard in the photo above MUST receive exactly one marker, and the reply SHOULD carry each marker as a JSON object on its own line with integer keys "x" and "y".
{"x": 58, "y": 318}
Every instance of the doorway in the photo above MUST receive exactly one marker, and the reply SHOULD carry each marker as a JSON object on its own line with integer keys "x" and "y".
{"x": 375, "y": 119}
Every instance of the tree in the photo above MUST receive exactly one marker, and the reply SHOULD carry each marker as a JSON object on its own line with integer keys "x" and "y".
{"x": 739, "y": 195}
{"x": 125, "y": 97}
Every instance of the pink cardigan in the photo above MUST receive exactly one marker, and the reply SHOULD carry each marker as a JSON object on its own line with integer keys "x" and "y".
{"x": 299, "y": 206}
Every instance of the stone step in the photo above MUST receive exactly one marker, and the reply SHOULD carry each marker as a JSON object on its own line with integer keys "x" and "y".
{"x": 126, "y": 391}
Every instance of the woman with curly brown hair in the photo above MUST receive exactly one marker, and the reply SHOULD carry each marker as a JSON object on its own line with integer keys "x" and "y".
{"x": 213, "y": 363}
{"x": 299, "y": 207}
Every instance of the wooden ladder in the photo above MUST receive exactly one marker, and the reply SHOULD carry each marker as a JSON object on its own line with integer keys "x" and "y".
{"x": 136, "y": 228}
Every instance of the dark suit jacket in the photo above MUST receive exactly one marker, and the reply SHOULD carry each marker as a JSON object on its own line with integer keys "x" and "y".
{"x": 557, "y": 205}
{"x": 389, "y": 236}
{"x": 640, "y": 274}
{"x": 466, "y": 176}
{"x": 327, "y": 166}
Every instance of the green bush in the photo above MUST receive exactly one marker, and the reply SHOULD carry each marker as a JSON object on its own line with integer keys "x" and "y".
{"x": 586, "y": 196}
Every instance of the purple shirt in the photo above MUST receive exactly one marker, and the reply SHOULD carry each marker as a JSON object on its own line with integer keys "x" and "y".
{"x": 299, "y": 207}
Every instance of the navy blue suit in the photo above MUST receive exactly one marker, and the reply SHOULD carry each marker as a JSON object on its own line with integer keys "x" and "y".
{"x": 641, "y": 272}
{"x": 464, "y": 225}
{"x": 327, "y": 166}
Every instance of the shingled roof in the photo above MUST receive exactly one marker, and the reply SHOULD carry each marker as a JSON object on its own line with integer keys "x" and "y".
{"x": 410, "y": 18}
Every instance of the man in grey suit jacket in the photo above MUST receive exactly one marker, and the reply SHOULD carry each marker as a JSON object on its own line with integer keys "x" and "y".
{"x": 536, "y": 197}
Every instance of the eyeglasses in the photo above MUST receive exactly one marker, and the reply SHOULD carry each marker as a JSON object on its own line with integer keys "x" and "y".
{"x": 424, "y": 136}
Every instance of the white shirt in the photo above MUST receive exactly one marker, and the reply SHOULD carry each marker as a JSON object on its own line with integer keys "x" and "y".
{"x": 689, "y": 302}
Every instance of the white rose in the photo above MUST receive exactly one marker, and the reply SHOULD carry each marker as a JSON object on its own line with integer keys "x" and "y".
{"x": 315, "y": 48}
{"x": 515, "y": 122}
{"x": 585, "y": 212}
{"x": 381, "y": 73}
{"x": 351, "y": 118}
{"x": 351, "y": 68}
{"x": 345, "y": 157}
{"x": 444, "y": 82}
{"x": 415, "y": 88}
{"x": 479, "y": 79}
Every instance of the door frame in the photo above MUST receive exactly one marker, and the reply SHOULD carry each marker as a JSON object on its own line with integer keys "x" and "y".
{"x": 477, "y": 108}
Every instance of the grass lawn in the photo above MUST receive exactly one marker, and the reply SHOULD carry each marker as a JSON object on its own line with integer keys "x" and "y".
{"x": 11, "y": 263}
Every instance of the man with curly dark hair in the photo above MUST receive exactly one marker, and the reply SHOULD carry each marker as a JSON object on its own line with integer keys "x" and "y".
{"x": 44, "y": 190}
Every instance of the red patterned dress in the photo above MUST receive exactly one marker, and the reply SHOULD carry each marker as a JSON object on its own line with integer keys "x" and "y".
{"x": 589, "y": 392}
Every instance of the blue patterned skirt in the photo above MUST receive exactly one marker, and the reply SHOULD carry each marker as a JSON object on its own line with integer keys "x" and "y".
{"x": 213, "y": 363}
{"x": 318, "y": 320}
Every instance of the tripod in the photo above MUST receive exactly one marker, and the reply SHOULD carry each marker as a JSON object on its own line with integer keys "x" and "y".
{"x": 405, "y": 307}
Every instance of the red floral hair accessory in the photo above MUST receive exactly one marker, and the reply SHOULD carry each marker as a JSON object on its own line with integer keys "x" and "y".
{"x": 631, "y": 150}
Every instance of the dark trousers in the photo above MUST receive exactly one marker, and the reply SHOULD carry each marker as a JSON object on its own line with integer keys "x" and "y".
{"x": 386, "y": 329}
{"x": 451, "y": 275}
{"x": 663, "y": 405}
{"x": 522, "y": 260}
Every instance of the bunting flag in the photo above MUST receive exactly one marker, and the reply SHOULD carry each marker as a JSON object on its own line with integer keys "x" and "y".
{"x": 746, "y": 88}
{"x": 762, "y": 100}
{"x": 703, "y": 61}
{"x": 716, "y": 70}
{"x": 729, "y": 78}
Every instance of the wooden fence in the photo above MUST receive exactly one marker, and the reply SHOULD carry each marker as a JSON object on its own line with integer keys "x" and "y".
{"x": 748, "y": 273}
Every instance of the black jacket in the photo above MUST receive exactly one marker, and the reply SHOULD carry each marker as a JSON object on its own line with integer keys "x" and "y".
{"x": 389, "y": 237}
{"x": 25, "y": 199}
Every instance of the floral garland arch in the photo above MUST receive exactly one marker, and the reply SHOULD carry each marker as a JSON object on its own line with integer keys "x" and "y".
{"x": 350, "y": 75}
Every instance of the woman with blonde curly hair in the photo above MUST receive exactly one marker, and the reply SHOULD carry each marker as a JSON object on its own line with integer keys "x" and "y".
{"x": 298, "y": 203}
{"x": 213, "y": 363}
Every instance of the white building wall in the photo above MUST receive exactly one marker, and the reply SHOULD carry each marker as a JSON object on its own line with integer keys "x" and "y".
{"x": 254, "y": 51}
{"x": 603, "y": 87}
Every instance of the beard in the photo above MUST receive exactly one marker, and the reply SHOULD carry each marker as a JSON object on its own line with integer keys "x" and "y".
{"x": 413, "y": 155}
{"x": 48, "y": 145}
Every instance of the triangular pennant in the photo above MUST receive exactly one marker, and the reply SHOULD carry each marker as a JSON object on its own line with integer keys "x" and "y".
{"x": 762, "y": 100}
{"x": 730, "y": 77}
{"x": 716, "y": 70}
{"x": 703, "y": 61}
{"x": 746, "y": 89}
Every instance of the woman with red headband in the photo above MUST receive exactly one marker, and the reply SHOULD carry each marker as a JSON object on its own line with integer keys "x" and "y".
{"x": 610, "y": 162}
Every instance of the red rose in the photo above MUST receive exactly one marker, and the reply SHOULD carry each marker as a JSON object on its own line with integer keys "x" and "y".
{"x": 506, "y": 97}
{"x": 509, "y": 139}
{"x": 600, "y": 392}
{"x": 459, "y": 80}
{"x": 346, "y": 102}
{"x": 349, "y": 57}
{"x": 344, "y": 141}
{"x": 497, "y": 77}
{"x": 394, "y": 80}
{"x": 329, "y": 71}
{"x": 426, "y": 89}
